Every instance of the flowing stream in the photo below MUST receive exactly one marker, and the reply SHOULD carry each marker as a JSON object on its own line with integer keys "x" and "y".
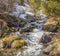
{"x": 33, "y": 48}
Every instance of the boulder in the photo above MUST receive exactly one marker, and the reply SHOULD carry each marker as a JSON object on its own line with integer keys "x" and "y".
{"x": 13, "y": 40}
{"x": 27, "y": 29}
{"x": 18, "y": 43}
{"x": 2, "y": 23}
{"x": 3, "y": 27}
{"x": 8, "y": 39}
{"x": 50, "y": 25}
{"x": 53, "y": 48}
{"x": 1, "y": 44}
{"x": 45, "y": 39}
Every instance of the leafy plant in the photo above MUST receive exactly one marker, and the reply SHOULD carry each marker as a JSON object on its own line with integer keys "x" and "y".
{"x": 52, "y": 7}
{"x": 35, "y": 5}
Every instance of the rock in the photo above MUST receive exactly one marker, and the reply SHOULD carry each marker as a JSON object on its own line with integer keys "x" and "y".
{"x": 12, "y": 40}
{"x": 7, "y": 40}
{"x": 10, "y": 20}
{"x": 3, "y": 27}
{"x": 18, "y": 43}
{"x": 45, "y": 39}
{"x": 27, "y": 29}
{"x": 1, "y": 44}
{"x": 2, "y": 23}
{"x": 50, "y": 25}
{"x": 54, "y": 47}
{"x": 29, "y": 16}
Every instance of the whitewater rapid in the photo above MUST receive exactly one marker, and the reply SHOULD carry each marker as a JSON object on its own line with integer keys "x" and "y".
{"x": 33, "y": 47}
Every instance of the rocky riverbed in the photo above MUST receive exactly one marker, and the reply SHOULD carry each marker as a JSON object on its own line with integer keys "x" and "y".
{"x": 26, "y": 36}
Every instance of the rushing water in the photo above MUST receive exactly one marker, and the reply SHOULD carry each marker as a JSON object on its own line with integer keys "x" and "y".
{"x": 33, "y": 47}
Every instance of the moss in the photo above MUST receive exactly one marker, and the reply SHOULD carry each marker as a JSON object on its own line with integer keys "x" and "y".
{"x": 19, "y": 43}
{"x": 7, "y": 40}
{"x": 10, "y": 37}
{"x": 15, "y": 39}
{"x": 31, "y": 27}
{"x": 11, "y": 43}
{"x": 8, "y": 51}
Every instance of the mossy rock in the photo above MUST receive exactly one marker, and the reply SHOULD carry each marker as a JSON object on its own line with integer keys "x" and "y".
{"x": 54, "y": 47}
{"x": 1, "y": 44}
{"x": 19, "y": 43}
{"x": 7, "y": 40}
{"x": 10, "y": 38}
